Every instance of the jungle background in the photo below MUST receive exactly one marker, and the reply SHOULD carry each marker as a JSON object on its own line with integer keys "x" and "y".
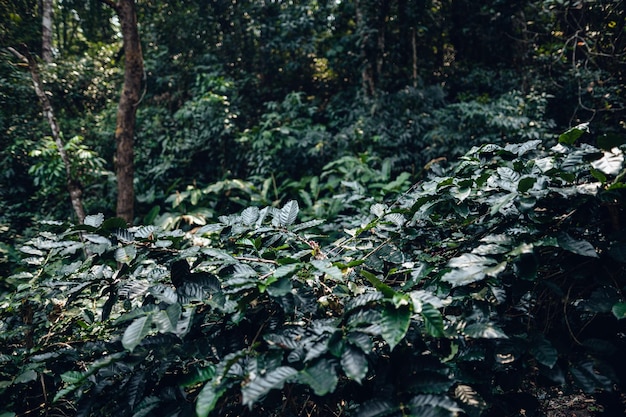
{"x": 412, "y": 140}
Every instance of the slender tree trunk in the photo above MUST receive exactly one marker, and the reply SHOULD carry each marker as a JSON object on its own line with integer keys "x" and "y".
{"x": 46, "y": 38}
{"x": 127, "y": 107}
{"x": 367, "y": 71}
{"x": 73, "y": 186}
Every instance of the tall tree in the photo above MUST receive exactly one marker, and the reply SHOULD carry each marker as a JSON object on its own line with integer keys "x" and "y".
{"x": 127, "y": 107}
{"x": 46, "y": 28}
{"x": 73, "y": 186}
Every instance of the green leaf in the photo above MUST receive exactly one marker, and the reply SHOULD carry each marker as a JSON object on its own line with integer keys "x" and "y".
{"x": 289, "y": 213}
{"x": 327, "y": 268}
{"x": 502, "y": 200}
{"x": 354, "y": 363}
{"x": 525, "y": 184}
{"x": 207, "y": 399}
{"x": 619, "y": 310}
{"x": 395, "y": 323}
{"x": 543, "y": 351}
{"x": 198, "y": 375}
{"x": 260, "y": 386}
{"x": 579, "y": 247}
{"x": 387, "y": 291}
{"x": 125, "y": 254}
{"x": 321, "y": 377}
{"x": 31, "y": 375}
{"x": 134, "y": 334}
{"x": 571, "y": 135}
{"x": 433, "y": 320}
{"x": 285, "y": 270}
{"x": 114, "y": 223}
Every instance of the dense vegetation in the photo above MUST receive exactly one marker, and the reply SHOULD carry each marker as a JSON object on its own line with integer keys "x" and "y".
{"x": 368, "y": 208}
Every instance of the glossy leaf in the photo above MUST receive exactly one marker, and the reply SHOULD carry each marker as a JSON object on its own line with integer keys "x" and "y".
{"x": 136, "y": 332}
{"x": 354, "y": 363}
{"x": 208, "y": 398}
{"x": 395, "y": 323}
{"x": 289, "y": 213}
{"x": 579, "y": 247}
{"x": 321, "y": 377}
{"x": 261, "y": 385}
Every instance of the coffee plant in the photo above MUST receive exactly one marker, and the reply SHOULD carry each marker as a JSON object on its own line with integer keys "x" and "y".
{"x": 464, "y": 296}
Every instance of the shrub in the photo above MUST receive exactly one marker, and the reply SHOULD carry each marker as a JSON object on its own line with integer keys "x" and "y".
{"x": 452, "y": 298}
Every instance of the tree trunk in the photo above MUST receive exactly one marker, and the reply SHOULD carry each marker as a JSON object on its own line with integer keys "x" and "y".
{"x": 127, "y": 107}
{"x": 46, "y": 38}
{"x": 367, "y": 71}
{"x": 73, "y": 186}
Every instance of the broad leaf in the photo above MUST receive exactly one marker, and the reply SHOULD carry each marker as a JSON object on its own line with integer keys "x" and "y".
{"x": 433, "y": 320}
{"x": 611, "y": 163}
{"x": 321, "y": 377}
{"x": 354, "y": 363}
{"x": 125, "y": 254}
{"x": 544, "y": 352}
{"x": 572, "y": 135}
{"x": 134, "y": 334}
{"x": 250, "y": 215}
{"x": 579, "y": 247}
{"x": 207, "y": 399}
{"x": 484, "y": 331}
{"x": 94, "y": 220}
{"x": 469, "y": 268}
{"x": 289, "y": 213}
{"x": 327, "y": 268}
{"x": 619, "y": 310}
{"x": 260, "y": 386}
{"x": 395, "y": 323}
{"x": 377, "y": 408}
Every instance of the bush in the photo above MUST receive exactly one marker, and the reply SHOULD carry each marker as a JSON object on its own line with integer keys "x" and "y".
{"x": 452, "y": 298}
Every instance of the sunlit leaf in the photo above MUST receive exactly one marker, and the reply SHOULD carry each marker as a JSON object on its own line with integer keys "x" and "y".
{"x": 484, "y": 331}
{"x": 94, "y": 220}
{"x": 611, "y": 163}
{"x": 207, "y": 399}
{"x": 125, "y": 254}
{"x": 289, "y": 213}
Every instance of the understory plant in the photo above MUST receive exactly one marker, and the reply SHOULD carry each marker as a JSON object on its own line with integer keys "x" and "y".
{"x": 462, "y": 296}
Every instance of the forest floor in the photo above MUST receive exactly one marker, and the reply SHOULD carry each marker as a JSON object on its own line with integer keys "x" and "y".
{"x": 556, "y": 403}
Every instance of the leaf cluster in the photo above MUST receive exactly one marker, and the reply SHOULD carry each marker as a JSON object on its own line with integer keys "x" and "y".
{"x": 448, "y": 299}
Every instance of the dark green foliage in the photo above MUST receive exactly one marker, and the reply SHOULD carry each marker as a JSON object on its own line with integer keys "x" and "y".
{"x": 449, "y": 298}
{"x": 368, "y": 271}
